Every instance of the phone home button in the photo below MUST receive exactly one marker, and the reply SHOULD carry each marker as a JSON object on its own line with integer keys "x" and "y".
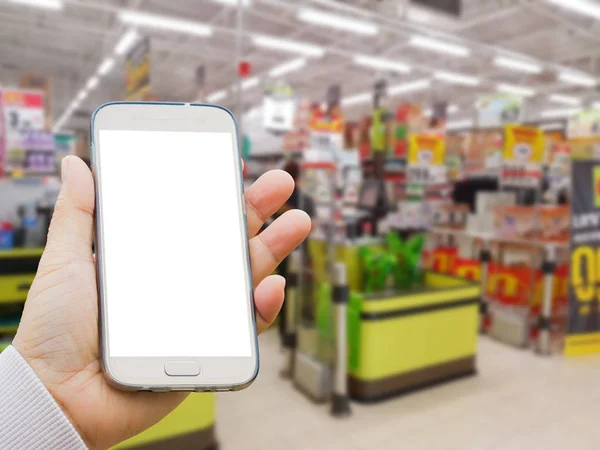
{"x": 182, "y": 368}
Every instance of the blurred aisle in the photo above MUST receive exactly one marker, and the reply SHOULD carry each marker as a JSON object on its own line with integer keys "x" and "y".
{"x": 504, "y": 407}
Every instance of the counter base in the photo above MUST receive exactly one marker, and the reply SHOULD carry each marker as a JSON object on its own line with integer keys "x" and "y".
{"x": 384, "y": 388}
{"x": 197, "y": 440}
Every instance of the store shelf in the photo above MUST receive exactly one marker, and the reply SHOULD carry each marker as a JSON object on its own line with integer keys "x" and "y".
{"x": 7, "y": 326}
{"x": 21, "y": 252}
{"x": 490, "y": 237}
{"x": 8, "y": 301}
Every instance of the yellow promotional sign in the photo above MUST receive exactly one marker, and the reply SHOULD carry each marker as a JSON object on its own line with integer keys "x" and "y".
{"x": 524, "y": 144}
{"x": 137, "y": 71}
{"x": 523, "y": 155}
{"x": 426, "y": 149}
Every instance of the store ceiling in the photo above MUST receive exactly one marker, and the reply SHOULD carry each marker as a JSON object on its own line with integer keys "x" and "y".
{"x": 71, "y": 43}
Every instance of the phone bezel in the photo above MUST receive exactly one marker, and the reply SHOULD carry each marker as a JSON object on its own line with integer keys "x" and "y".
{"x": 145, "y": 373}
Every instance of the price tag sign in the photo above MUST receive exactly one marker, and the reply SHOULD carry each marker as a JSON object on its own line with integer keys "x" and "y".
{"x": 523, "y": 155}
{"x": 322, "y": 140}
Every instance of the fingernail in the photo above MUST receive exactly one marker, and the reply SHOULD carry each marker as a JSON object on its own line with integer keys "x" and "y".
{"x": 64, "y": 167}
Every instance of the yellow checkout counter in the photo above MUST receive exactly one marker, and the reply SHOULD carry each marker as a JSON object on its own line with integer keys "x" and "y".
{"x": 403, "y": 339}
{"x": 190, "y": 426}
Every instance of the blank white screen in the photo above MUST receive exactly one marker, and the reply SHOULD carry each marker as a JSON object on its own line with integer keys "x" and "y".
{"x": 175, "y": 279}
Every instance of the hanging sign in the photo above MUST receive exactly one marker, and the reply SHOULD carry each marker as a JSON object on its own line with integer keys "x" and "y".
{"x": 495, "y": 110}
{"x": 23, "y": 122}
{"x": 23, "y": 110}
{"x": 327, "y": 124}
{"x": 41, "y": 83}
{"x": 137, "y": 71}
{"x": 585, "y": 124}
{"x": 200, "y": 78}
{"x": 279, "y": 107}
{"x": 523, "y": 156}
{"x": 583, "y": 331}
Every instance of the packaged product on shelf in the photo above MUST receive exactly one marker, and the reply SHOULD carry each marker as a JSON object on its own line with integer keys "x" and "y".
{"x": 486, "y": 202}
{"x": 516, "y": 222}
{"x": 554, "y": 223}
{"x": 453, "y": 216}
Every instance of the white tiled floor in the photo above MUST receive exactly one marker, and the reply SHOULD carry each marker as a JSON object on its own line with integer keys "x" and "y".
{"x": 518, "y": 400}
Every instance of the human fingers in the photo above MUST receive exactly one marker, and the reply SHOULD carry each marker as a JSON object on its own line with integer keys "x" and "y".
{"x": 280, "y": 238}
{"x": 265, "y": 197}
{"x": 70, "y": 234}
{"x": 268, "y": 298}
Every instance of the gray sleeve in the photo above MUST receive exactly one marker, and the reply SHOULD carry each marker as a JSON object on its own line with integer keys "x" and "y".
{"x": 31, "y": 418}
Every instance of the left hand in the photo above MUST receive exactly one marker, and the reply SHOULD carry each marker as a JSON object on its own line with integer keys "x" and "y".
{"x": 58, "y": 335}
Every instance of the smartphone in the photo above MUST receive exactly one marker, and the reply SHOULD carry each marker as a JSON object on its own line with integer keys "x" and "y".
{"x": 175, "y": 287}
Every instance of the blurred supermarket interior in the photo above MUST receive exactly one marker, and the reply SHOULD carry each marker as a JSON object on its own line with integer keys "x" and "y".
{"x": 447, "y": 297}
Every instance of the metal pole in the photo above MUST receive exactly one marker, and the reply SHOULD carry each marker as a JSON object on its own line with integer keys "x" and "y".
{"x": 290, "y": 336}
{"x": 340, "y": 406}
{"x": 544, "y": 321}
{"x": 239, "y": 52}
{"x": 485, "y": 256}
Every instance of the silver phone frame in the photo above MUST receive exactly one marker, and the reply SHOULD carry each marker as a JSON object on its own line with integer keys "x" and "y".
{"x": 144, "y": 373}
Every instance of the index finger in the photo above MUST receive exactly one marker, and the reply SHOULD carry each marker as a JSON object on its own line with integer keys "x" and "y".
{"x": 265, "y": 197}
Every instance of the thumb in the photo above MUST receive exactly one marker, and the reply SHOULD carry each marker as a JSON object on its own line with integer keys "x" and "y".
{"x": 70, "y": 234}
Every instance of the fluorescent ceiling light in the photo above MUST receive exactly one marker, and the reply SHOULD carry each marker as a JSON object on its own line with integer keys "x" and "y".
{"x": 557, "y": 113}
{"x": 585, "y": 7}
{"x": 47, "y": 4}
{"x": 450, "y": 109}
{"x": 337, "y": 21}
{"x": 457, "y": 124}
{"x": 217, "y": 95}
{"x": 126, "y": 41}
{"x": 439, "y": 46}
{"x": 250, "y": 83}
{"x": 92, "y": 83}
{"x": 356, "y": 99}
{"x": 233, "y": 2}
{"x": 165, "y": 23}
{"x": 409, "y": 87}
{"x": 287, "y": 67}
{"x": 418, "y": 15}
{"x": 457, "y": 78}
{"x": 106, "y": 66}
{"x": 81, "y": 96}
{"x": 579, "y": 79}
{"x": 287, "y": 45}
{"x": 517, "y": 64}
{"x": 513, "y": 89}
{"x": 381, "y": 63}
{"x": 565, "y": 99}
